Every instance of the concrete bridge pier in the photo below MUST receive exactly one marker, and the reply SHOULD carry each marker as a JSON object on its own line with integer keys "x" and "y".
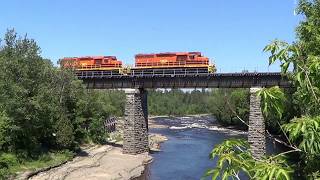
{"x": 135, "y": 127}
{"x": 256, "y": 132}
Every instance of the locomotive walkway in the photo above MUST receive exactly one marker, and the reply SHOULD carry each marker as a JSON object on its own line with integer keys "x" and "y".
{"x": 136, "y": 110}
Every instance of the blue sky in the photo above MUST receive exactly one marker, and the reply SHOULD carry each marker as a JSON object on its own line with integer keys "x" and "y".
{"x": 231, "y": 32}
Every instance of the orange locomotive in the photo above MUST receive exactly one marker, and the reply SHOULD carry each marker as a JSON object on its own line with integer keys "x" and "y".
{"x": 187, "y": 62}
{"x": 92, "y": 63}
{"x": 170, "y": 60}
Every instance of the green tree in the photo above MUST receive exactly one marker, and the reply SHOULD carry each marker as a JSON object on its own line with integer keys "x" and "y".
{"x": 44, "y": 108}
{"x": 227, "y": 104}
{"x": 302, "y": 134}
{"x": 4, "y": 130}
{"x": 24, "y": 75}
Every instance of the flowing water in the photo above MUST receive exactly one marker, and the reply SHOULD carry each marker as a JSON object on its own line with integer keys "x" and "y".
{"x": 186, "y": 154}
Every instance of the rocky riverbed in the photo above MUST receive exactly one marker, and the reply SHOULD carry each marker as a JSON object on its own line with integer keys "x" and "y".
{"x": 104, "y": 162}
{"x": 193, "y": 121}
{"x": 99, "y": 162}
{"x": 155, "y": 140}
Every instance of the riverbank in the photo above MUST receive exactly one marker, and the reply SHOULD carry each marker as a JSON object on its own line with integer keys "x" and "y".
{"x": 99, "y": 162}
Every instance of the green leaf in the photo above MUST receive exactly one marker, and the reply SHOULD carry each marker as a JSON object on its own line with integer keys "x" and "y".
{"x": 210, "y": 172}
{"x": 215, "y": 174}
{"x": 298, "y": 76}
{"x": 273, "y": 100}
{"x": 284, "y": 67}
{"x": 272, "y": 172}
{"x": 225, "y": 175}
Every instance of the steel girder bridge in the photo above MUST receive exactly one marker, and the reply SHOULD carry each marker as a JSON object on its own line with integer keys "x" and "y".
{"x": 177, "y": 78}
{"x": 135, "y": 126}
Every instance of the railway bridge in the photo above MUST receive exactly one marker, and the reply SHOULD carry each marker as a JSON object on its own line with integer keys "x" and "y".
{"x": 136, "y": 85}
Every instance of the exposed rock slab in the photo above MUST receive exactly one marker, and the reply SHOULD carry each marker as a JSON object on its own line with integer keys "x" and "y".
{"x": 104, "y": 162}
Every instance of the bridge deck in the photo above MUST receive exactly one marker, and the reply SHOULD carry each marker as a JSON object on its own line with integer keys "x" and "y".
{"x": 114, "y": 80}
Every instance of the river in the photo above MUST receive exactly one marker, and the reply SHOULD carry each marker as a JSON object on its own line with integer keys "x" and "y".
{"x": 186, "y": 154}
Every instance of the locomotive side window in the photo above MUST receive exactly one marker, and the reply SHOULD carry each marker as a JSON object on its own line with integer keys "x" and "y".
{"x": 182, "y": 57}
{"x": 191, "y": 57}
{"x": 145, "y": 56}
{"x": 98, "y": 61}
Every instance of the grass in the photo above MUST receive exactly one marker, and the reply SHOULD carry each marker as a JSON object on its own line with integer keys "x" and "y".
{"x": 11, "y": 166}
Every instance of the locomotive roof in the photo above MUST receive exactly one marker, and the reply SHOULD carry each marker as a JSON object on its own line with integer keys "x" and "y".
{"x": 90, "y": 57}
{"x": 169, "y": 53}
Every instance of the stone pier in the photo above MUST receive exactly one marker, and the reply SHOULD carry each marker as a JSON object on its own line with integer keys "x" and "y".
{"x": 135, "y": 127}
{"x": 256, "y": 133}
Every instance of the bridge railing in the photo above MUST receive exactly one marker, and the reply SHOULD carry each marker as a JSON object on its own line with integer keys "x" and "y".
{"x": 145, "y": 73}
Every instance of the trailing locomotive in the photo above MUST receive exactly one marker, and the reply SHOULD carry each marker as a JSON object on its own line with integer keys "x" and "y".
{"x": 93, "y": 65}
{"x": 89, "y": 63}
